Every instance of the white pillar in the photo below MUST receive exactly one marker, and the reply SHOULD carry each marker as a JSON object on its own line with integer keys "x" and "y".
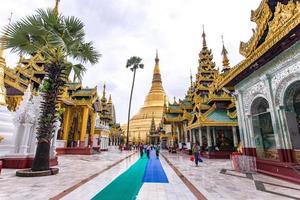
{"x": 214, "y": 136}
{"x": 208, "y": 135}
{"x": 200, "y": 136}
{"x": 194, "y": 135}
{"x": 24, "y": 143}
{"x": 235, "y": 138}
{"x": 53, "y": 144}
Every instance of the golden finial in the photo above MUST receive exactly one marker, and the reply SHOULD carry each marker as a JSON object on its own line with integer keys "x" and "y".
{"x": 104, "y": 87}
{"x": 191, "y": 77}
{"x": 156, "y": 68}
{"x": 203, "y": 36}
{"x": 110, "y": 100}
{"x": 55, "y": 9}
{"x": 225, "y": 58}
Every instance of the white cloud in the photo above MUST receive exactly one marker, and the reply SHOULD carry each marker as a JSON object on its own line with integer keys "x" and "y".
{"x": 123, "y": 28}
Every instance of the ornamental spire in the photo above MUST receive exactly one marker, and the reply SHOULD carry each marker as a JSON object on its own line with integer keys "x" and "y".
{"x": 156, "y": 68}
{"x": 110, "y": 100}
{"x": 55, "y": 9}
{"x": 103, "y": 99}
{"x": 191, "y": 78}
{"x": 225, "y": 61}
{"x": 203, "y": 37}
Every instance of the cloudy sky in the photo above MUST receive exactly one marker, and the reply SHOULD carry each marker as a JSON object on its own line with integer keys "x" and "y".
{"x": 124, "y": 28}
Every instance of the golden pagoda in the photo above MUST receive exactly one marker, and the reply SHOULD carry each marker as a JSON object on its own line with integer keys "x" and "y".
{"x": 153, "y": 106}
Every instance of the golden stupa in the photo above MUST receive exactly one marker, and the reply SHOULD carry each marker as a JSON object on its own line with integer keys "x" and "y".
{"x": 140, "y": 123}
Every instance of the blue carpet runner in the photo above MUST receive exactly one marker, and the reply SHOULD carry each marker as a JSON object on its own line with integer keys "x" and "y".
{"x": 128, "y": 184}
{"x": 154, "y": 171}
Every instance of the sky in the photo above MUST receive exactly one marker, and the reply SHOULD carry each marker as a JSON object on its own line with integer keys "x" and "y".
{"x": 120, "y": 29}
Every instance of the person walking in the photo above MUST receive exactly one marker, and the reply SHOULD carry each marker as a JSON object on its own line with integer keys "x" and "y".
{"x": 196, "y": 152}
{"x": 141, "y": 150}
{"x": 148, "y": 151}
{"x": 157, "y": 149}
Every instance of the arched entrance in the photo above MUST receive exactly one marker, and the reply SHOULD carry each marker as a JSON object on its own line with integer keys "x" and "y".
{"x": 263, "y": 130}
{"x": 292, "y": 113}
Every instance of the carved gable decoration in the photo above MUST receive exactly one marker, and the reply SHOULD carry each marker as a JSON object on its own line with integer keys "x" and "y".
{"x": 260, "y": 16}
{"x": 284, "y": 15}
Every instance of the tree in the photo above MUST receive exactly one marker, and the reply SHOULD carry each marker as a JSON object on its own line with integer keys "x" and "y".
{"x": 133, "y": 63}
{"x": 77, "y": 69}
{"x": 57, "y": 38}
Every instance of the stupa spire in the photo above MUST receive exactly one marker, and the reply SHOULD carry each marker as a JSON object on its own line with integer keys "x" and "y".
{"x": 224, "y": 53}
{"x": 156, "y": 80}
{"x": 191, "y": 77}
{"x": 110, "y": 100}
{"x": 156, "y": 68}
{"x": 103, "y": 99}
{"x": 55, "y": 9}
{"x": 203, "y": 37}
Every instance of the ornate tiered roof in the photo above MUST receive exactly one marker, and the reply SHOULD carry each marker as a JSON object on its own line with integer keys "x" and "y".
{"x": 204, "y": 104}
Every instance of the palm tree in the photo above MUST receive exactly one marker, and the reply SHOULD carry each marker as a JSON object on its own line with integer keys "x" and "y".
{"x": 77, "y": 69}
{"x": 56, "y": 38}
{"x": 133, "y": 63}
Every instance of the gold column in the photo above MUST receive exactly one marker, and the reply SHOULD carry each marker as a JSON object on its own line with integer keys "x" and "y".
{"x": 66, "y": 123}
{"x": 2, "y": 86}
{"x": 93, "y": 118}
{"x": 85, "y": 114}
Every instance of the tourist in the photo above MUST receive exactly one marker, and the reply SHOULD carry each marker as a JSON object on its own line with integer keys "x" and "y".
{"x": 141, "y": 150}
{"x": 196, "y": 152}
{"x": 148, "y": 151}
{"x": 157, "y": 149}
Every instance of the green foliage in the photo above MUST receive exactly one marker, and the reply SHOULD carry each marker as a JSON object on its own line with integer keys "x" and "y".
{"x": 45, "y": 86}
{"x": 134, "y": 63}
{"x": 60, "y": 112}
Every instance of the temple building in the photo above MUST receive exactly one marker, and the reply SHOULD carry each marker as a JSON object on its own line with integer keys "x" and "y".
{"x": 153, "y": 107}
{"x": 105, "y": 130}
{"x": 206, "y": 114}
{"x": 267, "y": 89}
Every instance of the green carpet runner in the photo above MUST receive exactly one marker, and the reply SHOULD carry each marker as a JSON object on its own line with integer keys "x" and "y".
{"x": 127, "y": 185}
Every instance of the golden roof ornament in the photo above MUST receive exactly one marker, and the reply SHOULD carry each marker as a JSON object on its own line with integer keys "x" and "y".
{"x": 156, "y": 68}
{"x": 203, "y": 37}
{"x": 110, "y": 100}
{"x": 103, "y": 99}
{"x": 225, "y": 61}
{"x": 55, "y": 9}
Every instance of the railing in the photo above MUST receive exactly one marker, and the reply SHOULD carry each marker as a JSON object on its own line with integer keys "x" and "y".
{"x": 243, "y": 163}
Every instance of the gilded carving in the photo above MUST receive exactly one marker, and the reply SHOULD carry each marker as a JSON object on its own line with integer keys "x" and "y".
{"x": 260, "y": 16}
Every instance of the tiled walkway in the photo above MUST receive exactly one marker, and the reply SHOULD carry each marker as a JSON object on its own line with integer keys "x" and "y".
{"x": 173, "y": 190}
{"x": 73, "y": 169}
{"x": 215, "y": 180}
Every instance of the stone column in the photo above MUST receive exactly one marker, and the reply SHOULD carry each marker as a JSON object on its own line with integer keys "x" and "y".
{"x": 235, "y": 138}
{"x": 24, "y": 144}
{"x": 208, "y": 135}
{"x": 194, "y": 136}
{"x": 93, "y": 121}
{"x": 200, "y": 137}
{"x": 85, "y": 113}
{"x": 178, "y": 134}
{"x": 214, "y": 137}
{"x": 275, "y": 122}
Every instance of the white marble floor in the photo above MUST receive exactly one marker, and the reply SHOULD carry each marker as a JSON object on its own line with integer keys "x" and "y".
{"x": 231, "y": 185}
{"x": 173, "y": 190}
{"x": 73, "y": 169}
